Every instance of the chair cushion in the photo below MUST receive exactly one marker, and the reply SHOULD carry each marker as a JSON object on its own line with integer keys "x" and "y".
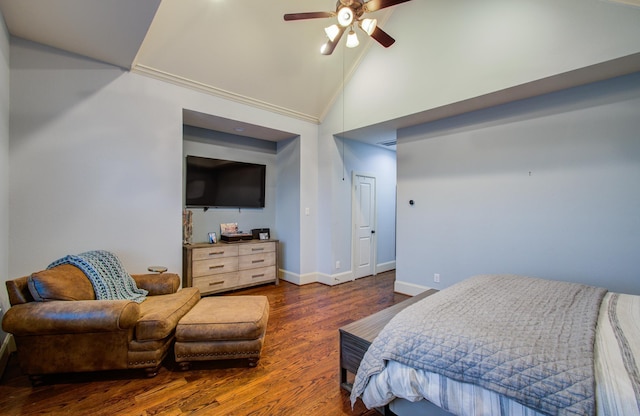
{"x": 160, "y": 314}
{"x": 64, "y": 282}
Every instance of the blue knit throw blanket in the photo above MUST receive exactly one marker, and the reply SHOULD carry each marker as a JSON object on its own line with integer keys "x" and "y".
{"x": 108, "y": 277}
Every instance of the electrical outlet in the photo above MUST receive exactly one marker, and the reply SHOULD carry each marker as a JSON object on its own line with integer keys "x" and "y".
{"x": 436, "y": 277}
{"x": 337, "y": 264}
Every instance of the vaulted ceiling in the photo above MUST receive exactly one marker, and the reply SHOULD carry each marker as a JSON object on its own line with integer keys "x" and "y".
{"x": 239, "y": 49}
{"x": 243, "y": 50}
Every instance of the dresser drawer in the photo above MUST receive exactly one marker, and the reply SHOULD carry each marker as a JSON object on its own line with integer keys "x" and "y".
{"x": 215, "y": 266}
{"x": 216, "y": 282}
{"x": 263, "y": 274}
{"x": 257, "y": 248}
{"x": 257, "y": 260}
{"x": 214, "y": 252}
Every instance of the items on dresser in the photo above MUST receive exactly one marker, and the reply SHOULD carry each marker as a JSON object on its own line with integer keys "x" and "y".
{"x": 227, "y": 266}
{"x": 236, "y": 236}
{"x": 261, "y": 233}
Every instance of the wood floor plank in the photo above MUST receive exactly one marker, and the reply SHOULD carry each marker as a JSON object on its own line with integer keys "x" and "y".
{"x": 298, "y": 373}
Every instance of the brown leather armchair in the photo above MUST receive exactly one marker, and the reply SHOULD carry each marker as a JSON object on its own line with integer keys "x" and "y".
{"x": 59, "y": 326}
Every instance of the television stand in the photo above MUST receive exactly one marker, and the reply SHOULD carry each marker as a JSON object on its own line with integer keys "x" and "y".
{"x": 229, "y": 265}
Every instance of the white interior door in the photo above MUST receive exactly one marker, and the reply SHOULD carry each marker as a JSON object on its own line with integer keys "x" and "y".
{"x": 364, "y": 215}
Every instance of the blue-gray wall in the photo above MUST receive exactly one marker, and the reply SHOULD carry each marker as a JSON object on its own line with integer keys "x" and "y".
{"x": 547, "y": 187}
{"x": 96, "y": 159}
{"x": 288, "y": 213}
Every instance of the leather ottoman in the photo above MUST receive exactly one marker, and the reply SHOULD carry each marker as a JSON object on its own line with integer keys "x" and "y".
{"x": 222, "y": 328}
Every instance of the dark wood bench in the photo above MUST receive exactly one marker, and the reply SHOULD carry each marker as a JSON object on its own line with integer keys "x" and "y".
{"x": 356, "y": 337}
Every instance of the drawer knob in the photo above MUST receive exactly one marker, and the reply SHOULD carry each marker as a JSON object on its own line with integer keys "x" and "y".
{"x": 257, "y": 275}
{"x": 219, "y": 266}
{"x": 213, "y": 253}
{"x": 257, "y": 249}
{"x": 216, "y": 283}
{"x": 258, "y": 261}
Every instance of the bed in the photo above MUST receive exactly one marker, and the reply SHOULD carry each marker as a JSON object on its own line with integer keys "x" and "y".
{"x": 508, "y": 345}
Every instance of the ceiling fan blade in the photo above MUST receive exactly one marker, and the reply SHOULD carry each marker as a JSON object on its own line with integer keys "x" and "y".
{"x": 308, "y": 15}
{"x": 373, "y": 5}
{"x": 382, "y": 37}
{"x": 327, "y": 48}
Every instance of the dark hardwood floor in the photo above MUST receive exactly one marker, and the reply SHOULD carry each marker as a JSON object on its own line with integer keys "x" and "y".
{"x": 298, "y": 373}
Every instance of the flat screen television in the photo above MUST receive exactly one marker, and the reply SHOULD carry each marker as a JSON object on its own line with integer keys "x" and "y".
{"x": 218, "y": 183}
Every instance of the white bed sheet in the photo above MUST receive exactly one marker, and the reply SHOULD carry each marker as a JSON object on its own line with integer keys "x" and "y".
{"x": 617, "y": 354}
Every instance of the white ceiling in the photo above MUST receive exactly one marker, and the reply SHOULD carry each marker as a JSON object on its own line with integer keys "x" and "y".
{"x": 243, "y": 50}
{"x": 238, "y": 49}
{"x": 109, "y": 31}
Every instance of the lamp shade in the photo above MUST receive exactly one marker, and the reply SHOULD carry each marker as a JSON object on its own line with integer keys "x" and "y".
{"x": 345, "y": 16}
{"x": 352, "y": 39}
{"x": 368, "y": 25}
{"x": 332, "y": 31}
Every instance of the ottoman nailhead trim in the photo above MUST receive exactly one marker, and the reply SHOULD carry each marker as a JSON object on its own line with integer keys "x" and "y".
{"x": 219, "y": 354}
{"x": 142, "y": 362}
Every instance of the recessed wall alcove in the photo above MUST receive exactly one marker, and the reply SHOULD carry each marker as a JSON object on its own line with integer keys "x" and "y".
{"x": 216, "y": 137}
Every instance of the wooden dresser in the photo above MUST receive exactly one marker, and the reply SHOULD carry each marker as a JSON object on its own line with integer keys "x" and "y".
{"x": 227, "y": 266}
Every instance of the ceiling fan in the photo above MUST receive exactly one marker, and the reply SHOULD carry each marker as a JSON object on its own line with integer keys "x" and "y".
{"x": 349, "y": 14}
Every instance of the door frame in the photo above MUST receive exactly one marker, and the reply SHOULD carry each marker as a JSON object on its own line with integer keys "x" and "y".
{"x": 354, "y": 236}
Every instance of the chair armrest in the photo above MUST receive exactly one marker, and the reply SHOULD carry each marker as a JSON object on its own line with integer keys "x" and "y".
{"x": 70, "y": 317}
{"x": 158, "y": 284}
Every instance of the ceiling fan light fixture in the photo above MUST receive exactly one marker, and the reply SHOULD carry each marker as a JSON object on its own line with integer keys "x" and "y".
{"x": 352, "y": 39}
{"x": 349, "y": 14}
{"x": 332, "y": 32}
{"x": 345, "y": 16}
{"x": 368, "y": 25}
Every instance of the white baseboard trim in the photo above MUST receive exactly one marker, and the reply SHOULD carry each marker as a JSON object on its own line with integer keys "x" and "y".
{"x": 298, "y": 279}
{"x": 325, "y": 279}
{"x": 343, "y": 277}
{"x": 385, "y": 267}
{"x": 335, "y": 279}
{"x": 329, "y": 279}
{"x": 407, "y": 288}
{"x": 8, "y": 346}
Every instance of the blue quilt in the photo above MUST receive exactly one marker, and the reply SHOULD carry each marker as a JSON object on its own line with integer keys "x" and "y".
{"x": 107, "y": 275}
{"x": 531, "y": 340}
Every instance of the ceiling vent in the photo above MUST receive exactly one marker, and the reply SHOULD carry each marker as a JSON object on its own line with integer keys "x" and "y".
{"x": 389, "y": 143}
